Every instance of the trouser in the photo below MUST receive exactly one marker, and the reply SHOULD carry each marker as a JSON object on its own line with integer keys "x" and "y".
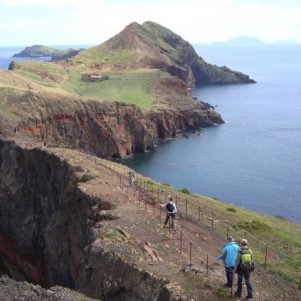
{"x": 168, "y": 216}
{"x": 229, "y": 275}
{"x": 245, "y": 275}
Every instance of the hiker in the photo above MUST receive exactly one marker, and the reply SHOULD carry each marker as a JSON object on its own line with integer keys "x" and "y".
{"x": 228, "y": 256}
{"x": 171, "y": 209}
{"x": 131, "y": 178}
{"x": 243, "y": 267}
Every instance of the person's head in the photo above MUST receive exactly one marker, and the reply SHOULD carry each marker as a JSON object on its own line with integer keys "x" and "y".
{"x": 244, "y": 242}
{"x": 170, "y": 198}
{"x": 230, "y": 239}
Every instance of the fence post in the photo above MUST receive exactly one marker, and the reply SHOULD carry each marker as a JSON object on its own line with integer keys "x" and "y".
{"x": 227, "y": 228}
{"x": 266, "y": 256}
{"x": 139, "y": 197}
{"x": 212, "y": 219}
{"x": 190, "y": 253}
{"x": 165, "y": 196}
{"x": 160, "y": 214}
{"x": 199, "y": 213}
{"x": 186, "y": 206}
{"x": 158, "y": 193}
{"x": 181, "y": 240}
{"x": 245, "y": 234}
{"x": 207, "y": 264}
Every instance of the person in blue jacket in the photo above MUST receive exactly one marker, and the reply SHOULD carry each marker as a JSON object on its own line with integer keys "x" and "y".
{"x": 228, "y": 256}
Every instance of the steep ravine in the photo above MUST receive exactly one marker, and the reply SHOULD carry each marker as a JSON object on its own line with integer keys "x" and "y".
{"x": 46, "y": 230}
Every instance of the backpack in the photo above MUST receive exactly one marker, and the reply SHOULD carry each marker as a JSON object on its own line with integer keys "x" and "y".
{"x": 170, "y": 207}
{"x": 246, "y": 263}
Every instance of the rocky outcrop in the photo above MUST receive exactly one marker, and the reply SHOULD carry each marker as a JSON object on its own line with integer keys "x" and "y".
{"x": 117, "y": 130}
{"x": 39, "y": 51}
{"x": 11, "y": 290}
{"x": 47, "y": 234}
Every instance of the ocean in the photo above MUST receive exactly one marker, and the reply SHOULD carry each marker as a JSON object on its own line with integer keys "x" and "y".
{"x": 254, "y": 159}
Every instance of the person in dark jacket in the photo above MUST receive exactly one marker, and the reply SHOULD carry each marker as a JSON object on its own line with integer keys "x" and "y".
{"x": 243, "y": 268}
{"x": 171, "y": 210}
{"x": 228, "y": 256}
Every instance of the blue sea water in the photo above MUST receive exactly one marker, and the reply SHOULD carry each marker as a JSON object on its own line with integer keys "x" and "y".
{"x": 254, "y": 159}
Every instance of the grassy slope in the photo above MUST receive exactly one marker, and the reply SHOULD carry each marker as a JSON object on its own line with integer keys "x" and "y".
{"x": 133, "y": 86}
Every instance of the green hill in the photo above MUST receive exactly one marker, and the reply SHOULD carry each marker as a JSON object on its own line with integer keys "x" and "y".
{"x": 151, "y": 45}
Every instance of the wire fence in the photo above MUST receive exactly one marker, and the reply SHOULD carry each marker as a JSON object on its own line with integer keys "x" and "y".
{"x": 188, "y": 208}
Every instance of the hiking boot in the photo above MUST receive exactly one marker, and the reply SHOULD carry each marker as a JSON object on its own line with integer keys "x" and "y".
{"x": 237, "y": 294}
{"x": 249, "y": 297}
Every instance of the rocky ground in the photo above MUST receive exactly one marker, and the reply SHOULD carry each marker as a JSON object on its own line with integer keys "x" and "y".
{"x": 11, "y": 290}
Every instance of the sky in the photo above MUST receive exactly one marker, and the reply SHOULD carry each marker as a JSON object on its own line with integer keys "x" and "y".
{"x": 91, "y": 22}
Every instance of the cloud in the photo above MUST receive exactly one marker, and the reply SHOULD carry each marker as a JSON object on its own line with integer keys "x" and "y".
{"x": 93, "y": 21}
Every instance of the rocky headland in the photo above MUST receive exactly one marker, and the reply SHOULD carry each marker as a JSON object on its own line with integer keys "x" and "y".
{"x": 40, "y": 51}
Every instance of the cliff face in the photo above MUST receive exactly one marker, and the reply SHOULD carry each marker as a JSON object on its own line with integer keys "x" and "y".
{"x": 47, "y": 235}
{"x": 116, "y": 129}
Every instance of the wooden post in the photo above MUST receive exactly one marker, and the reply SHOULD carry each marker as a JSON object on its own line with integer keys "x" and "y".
{"x": 212, "y": 220}
{"x": 139, "y": 198}
{"x": 165, "y": 196}
{"x": 190, "y": 253}
{"x": 245, "y": 234}
{"x": 207, "y": 264}
{"x": 181, "y": 241}
{"x": 158, "y": 192}
{"x": 199, "y": 214}
{"x": 186, "y": 206}
{"x": 266, "y": 256}
{"x": 227, "y": 229}
{"x": 154, "y": 207}
{"x": 160, "y": 214}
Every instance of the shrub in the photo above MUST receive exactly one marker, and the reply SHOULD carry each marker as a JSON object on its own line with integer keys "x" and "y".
{"x": 223, "y": 293}
{"x": 109, "y": 235}
{"x": 231, "y": 209}
{"x": 254, "y": 226}
{"x": 184, "y": 190}
{"x": 85, "y": 178}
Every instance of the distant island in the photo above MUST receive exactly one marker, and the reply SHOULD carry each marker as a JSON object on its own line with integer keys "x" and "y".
{"x": 39, "y": 51}
{"x": 253, "y": 41}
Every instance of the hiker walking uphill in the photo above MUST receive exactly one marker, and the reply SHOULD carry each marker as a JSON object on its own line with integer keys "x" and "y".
{"x": 171, "y": 211}
{"x": 228, "y": 256}
{"x": 243, "y": 267}
{"x": 131, "y": 178}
